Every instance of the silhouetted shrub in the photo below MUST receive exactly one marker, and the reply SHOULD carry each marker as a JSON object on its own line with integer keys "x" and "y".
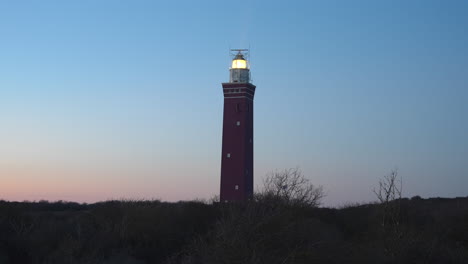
{"x": 259, "y": 231}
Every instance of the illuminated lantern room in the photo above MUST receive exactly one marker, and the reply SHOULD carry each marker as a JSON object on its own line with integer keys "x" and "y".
{"x": 239, "y": 72}
{"x": 239, "y": 62}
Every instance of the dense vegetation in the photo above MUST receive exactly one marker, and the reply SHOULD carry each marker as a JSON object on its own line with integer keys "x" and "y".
{"x": 266, "y": 230}
{"x": 281, "y": 224}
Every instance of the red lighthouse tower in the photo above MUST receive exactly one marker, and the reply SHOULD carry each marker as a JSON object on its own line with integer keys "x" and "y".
{"x": 237, "y": 150}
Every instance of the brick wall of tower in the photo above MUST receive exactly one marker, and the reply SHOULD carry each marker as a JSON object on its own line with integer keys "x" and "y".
{"x": 237, "y": 148}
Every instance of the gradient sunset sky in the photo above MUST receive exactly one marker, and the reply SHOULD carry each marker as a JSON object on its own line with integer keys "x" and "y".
{"x": 122, "y": 99}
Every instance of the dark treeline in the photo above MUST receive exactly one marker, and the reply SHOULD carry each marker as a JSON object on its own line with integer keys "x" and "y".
{"x": 261, "y": 231}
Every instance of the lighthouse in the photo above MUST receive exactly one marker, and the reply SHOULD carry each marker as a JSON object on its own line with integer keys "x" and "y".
{"x": 237, "y": 149}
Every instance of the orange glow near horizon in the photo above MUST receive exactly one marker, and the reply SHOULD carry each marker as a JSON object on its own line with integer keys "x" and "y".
{"x": 36, "y": 183}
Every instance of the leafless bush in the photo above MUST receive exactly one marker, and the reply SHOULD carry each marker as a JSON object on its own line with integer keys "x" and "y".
{"x": 21, "y": 225}
{"x": 390, "y": 187}
{"x": 292, "y": 188}
{"x": 389, "y": 195}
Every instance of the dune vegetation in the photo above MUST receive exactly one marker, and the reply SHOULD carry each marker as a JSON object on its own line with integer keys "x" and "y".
{"x": 279, "y": 225}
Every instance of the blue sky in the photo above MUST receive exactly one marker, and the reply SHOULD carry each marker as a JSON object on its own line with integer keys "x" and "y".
{"x": 122, "y": 99}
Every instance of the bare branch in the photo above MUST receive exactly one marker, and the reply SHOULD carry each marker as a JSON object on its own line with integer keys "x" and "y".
{"x": 291, "y": 187}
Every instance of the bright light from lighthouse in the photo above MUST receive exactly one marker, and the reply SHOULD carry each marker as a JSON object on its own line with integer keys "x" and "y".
{"x": 239, "y": 64}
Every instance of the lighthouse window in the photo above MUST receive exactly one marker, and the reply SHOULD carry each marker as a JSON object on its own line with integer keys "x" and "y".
{"x": 228, "y": 155}
{"x": 238, "y": 123}
{"x": 238, "y": 107}
{"x": 236, "y": 187}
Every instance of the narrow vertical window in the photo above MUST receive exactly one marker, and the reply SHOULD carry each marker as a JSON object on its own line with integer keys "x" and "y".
{"x": 236, "y": 187}
{"x": 228, "y": 155}
{"x": 238, "y": 123}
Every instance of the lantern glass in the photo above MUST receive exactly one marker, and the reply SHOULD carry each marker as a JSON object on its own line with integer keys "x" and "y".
{"x": 239, "y": 64}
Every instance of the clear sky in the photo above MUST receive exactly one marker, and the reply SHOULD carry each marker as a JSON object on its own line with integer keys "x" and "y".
{"x": 122, "y": 99}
